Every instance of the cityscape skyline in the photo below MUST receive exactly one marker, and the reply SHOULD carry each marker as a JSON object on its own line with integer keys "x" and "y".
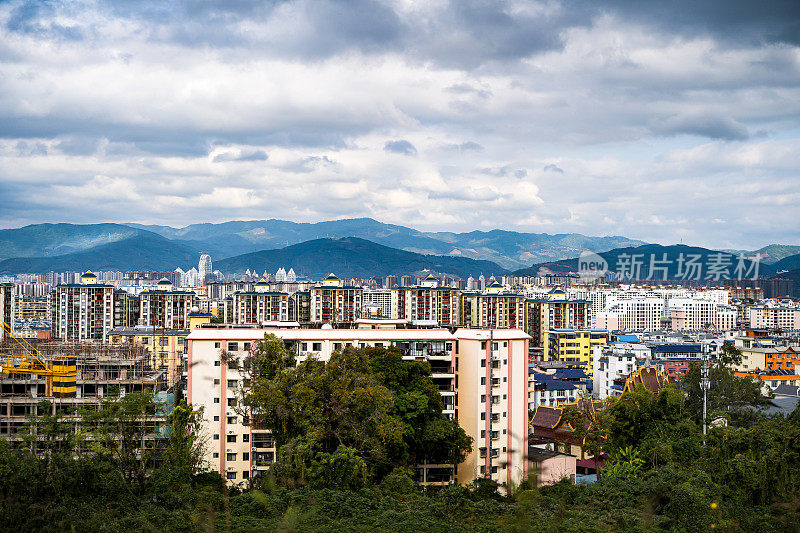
{"x": 661, "y": 123}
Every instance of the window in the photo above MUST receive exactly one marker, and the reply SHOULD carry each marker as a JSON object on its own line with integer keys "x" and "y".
{"x": 246, "y": 456}
{"x": 316, "y": 347}
{"x": 216, "y": 436}
{"x": 216, "y": 382}
{"x": 303, "y": 346}
{"x": 483, "y": 416}
{"x": 216, "y": 455}
{"x": 231, "y": 475}
{"x": 245, "y": 474}
{"x": 216, "y": 363}
{"x": 217, "y": 345}
{"x": 483, "y": 345}
{"x": 337, "y": 346}
{"x": 232, "y": 420}
{"x": 233, "y": 346}
{"x": 246, "y": 347}
{"x": 216, "y": 400}
{"x": 230, "y": 457}
{"x": 216, "y": 418}
{"x": 231, "y": 402}
{"x": 483, "y": 380}
{"x": 231, "y": 438}
{"x": 232, "y": 383}
{"x": 245, "y": 438}
{"x": 483, "y": 363}
{"x": 233, "y": 365}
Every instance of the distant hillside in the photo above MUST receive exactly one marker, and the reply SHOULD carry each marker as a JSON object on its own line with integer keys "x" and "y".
{"x": 140, "y": 252}
{"x": 787, "y": 263}
{"x": 47, "y": 240}
{"x": 776, "y": 252}
{"x": 507, "y": 248}
{"x": 511, "y": 248}
{"x": 644, "y": 253}
{"x": 353, "y": 257}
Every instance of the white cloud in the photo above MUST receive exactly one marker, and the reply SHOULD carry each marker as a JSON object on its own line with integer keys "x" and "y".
{"x": 604, "y": 125}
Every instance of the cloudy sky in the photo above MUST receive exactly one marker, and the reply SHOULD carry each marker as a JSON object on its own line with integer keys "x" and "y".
{"x": 663, "y": 121}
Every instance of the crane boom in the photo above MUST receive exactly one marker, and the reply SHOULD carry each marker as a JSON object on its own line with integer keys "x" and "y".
{"x": 61, "y": 371}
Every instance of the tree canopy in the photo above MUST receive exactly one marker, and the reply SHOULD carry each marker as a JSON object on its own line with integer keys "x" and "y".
{"x": 365, "y": 412}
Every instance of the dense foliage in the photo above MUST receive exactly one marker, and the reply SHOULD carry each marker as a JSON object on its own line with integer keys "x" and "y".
{"x": 351, "y": 421}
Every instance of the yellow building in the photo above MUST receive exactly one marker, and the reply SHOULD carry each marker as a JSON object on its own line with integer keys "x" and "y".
{"x": 574, "y": 345}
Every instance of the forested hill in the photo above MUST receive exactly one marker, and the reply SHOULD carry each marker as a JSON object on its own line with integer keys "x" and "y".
{"x": 353, "y": 257}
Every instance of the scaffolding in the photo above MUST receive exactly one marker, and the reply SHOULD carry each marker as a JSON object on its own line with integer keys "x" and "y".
{"x": 104, "y": 372}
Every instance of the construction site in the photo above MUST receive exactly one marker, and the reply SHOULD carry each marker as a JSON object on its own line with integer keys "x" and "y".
{"x": 73, "y": 377}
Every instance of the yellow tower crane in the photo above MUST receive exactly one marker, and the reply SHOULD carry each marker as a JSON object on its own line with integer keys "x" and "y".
{"x": 60, "y": 371}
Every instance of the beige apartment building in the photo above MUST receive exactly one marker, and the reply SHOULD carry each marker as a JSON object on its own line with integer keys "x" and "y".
{"x": 83, "y": 312}
{"x": 165, "y": 307}
{"x": 426, "y": 302}
{"x": 332, "y": 302}
{"x": 261, "y": 305}
{"x": 495, "y": 417}
{"x": 774, "y": 317}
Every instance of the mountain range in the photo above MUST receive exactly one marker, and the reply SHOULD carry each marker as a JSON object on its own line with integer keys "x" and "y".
{"x": 668, "y": 262}
{"x": 340, "y": 246}
{"x": 509, "y": 249}
{"x": 354, "y": 257}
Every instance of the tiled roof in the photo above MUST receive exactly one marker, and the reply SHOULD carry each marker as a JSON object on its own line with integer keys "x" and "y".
{"x": 547, "y": 417}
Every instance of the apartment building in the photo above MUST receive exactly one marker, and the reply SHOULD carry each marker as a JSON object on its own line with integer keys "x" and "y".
{"x": 426, "y": 302}
{"x": 30, "y": 307}
{"x": 240, "y": 451}
{"x": 164, "y": 347}
{"x": 548, "y": 389}
{"x": 6, "y": 306}
{"x": 260, "y": 305}
{"x": 611, "y": 367}
{"x": 334, "y": 303}
{"x": 165, "y": 307}
{"x": 378, "y": 303}
{"x": 494, "y": 308}
{"x": 492, "y": 370}
{"x": 774, "y": 316}
{"x": 83, "y": 312}
{"x": 635, "y": 314}
{"x": 574, "y": 345}
{"x": 554, "y": 311}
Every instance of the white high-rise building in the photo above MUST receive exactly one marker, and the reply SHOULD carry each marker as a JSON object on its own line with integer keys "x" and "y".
{"x": 291, "y": 277}
{"x": 204, "y": 268}
{"x": 191, "y": 278}
{"x": 280, "y": 275}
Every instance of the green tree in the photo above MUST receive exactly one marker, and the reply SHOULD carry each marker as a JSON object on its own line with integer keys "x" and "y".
{"x": 362, "y": 405}
{"x": 125, "y": 429}
{"x": 185, "y": 447}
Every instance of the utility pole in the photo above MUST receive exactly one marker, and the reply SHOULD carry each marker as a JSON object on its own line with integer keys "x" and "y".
{"x": 705, "y": 384}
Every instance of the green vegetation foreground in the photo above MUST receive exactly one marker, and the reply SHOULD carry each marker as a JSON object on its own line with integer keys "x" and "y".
{"x": 661, "y": 478}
